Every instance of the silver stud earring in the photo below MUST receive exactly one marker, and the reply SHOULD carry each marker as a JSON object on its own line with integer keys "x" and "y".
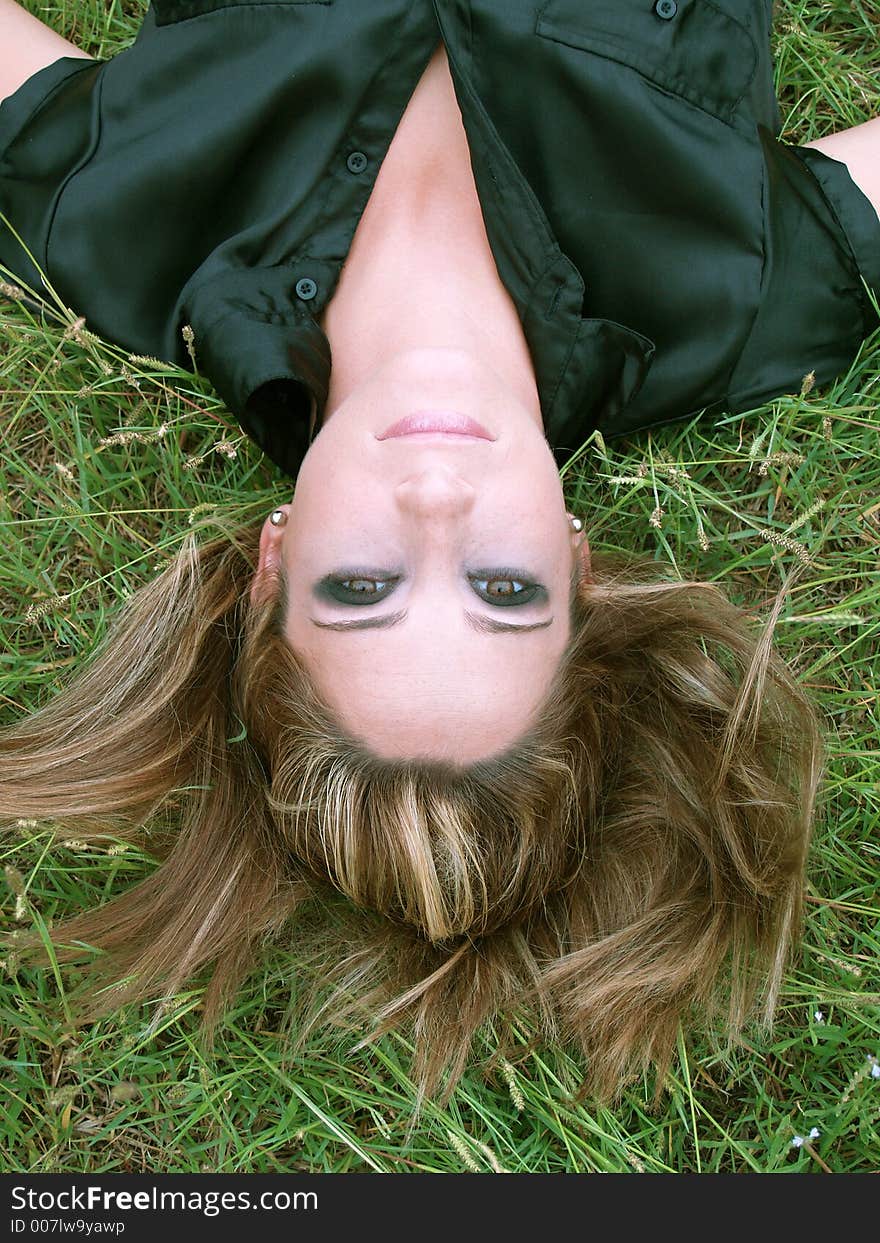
{"x": 277, "y": 517}
{"x": 577, "y": 524}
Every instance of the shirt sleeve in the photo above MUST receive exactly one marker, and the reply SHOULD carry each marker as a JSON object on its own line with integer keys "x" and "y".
{"x": 146, "y": 189}
{"x": 47, "y": 131}
{"x": 821, "y": 264}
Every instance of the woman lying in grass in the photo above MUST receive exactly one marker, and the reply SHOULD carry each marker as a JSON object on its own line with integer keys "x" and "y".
{"x": 536, "y": 775}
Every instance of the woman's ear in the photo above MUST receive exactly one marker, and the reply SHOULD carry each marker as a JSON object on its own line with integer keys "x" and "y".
{"x": 583, "y": 553}
{"x": 581, "y": 547}
{"x": 265, "y": 581}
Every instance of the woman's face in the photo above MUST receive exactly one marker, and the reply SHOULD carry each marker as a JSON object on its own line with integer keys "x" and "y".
{"x": 410, "y": 559}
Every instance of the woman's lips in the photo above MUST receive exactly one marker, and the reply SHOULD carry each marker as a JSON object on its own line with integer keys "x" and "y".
{"x": 443, "y": 422}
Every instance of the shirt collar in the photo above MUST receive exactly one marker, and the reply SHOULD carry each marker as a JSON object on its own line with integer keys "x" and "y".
{"x": 270, "y": 360}
{"x": 265, "y": 354}
{"x": 584, "y": 368}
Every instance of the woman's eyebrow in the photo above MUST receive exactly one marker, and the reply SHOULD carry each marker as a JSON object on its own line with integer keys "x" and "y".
{"x": 365, "y": 623}
{"x": 487, "y": 625}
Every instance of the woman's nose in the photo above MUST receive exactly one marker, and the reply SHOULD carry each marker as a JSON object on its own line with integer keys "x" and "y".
{"x": 435, "y": 492}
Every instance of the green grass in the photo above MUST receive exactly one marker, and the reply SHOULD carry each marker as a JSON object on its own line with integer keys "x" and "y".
{"x": 85, "y": 522}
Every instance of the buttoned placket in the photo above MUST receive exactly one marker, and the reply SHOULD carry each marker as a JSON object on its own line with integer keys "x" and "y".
{"x": 543, "y": 282}
{"x": 306, "y": 287}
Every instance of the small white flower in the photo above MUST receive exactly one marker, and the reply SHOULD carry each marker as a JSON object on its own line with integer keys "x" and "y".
{"x": 797, "y": 1141}
{"x": 815, "y": 1132}
{"x": 875, "y": 1071}
{"x": 819, "y": 1016}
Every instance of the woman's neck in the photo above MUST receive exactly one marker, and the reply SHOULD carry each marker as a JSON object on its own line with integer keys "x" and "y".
{"x": 420, "y": 272}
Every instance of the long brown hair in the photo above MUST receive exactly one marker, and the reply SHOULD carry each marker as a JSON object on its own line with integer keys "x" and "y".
{"x": 634, "y": 862}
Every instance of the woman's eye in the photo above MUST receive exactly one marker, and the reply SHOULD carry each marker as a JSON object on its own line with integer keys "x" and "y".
{"x": 502, "y": 590}
{"x": 366, "y": 585}
{"x": 361, "y": 590}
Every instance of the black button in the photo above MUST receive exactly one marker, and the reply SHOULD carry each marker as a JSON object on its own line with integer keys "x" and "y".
{"x": 356, "y": 162}
{"x": 666, "y": 9}
{"x": 306, "y": 289}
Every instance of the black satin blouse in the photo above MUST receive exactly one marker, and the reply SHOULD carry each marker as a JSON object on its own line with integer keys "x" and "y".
{"x": 667, "y": 254}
